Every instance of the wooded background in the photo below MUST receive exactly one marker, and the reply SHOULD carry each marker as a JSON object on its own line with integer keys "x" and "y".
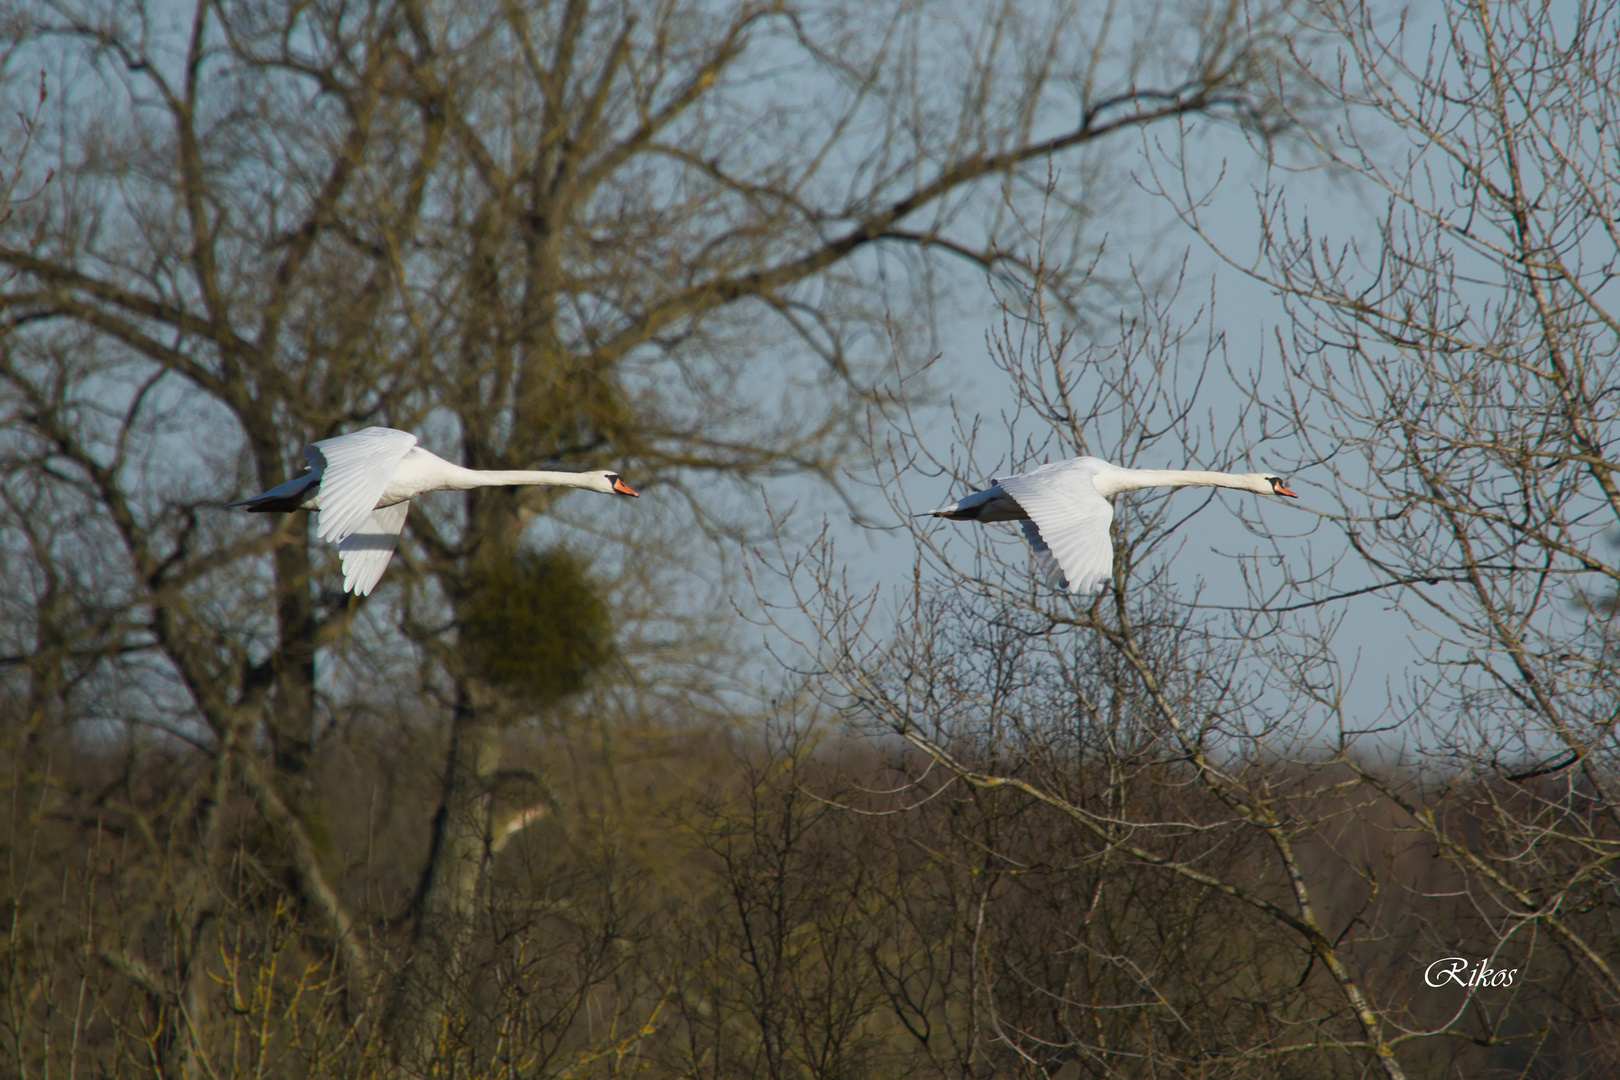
{"x": 532, "y": 810}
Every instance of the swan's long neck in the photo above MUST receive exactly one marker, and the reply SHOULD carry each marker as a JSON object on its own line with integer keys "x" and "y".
{"x": 421, "y": 472}
{"x": 1114, "y": 481}
{"x": 472, "y": 478}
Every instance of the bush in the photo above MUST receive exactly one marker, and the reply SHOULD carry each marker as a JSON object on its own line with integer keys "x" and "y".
{"x": 537, "y": 626}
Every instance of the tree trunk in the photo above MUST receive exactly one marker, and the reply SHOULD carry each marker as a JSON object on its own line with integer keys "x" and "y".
{"x": 421, "y": 1011}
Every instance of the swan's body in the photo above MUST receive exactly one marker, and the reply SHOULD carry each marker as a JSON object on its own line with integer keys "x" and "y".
{"x": 1064, "y": 510}
{"x": 362, "y": 484}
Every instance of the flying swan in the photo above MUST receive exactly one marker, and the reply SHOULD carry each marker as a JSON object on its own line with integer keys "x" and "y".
{"x": 1064, "y": 511}
{"x": 363, "y": 483}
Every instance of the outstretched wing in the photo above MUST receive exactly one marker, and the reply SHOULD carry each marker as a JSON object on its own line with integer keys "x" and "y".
{"x": 366, "y": 551}
{"x": 1068, "y": 526}
{"x": 355, "y": 468}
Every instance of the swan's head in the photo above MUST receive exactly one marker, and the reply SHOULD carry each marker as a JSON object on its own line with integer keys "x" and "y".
{"x": 1277, "y": 487}
{"x": 611, "y": 483}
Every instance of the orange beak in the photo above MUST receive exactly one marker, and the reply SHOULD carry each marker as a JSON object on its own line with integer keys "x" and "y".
{"x": 1280, "y": 490}
{"x": 624, "y": 489}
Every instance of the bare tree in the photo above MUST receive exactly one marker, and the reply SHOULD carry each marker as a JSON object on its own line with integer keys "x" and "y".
{"x": 775, "y": 978}
{"x": 1450, "y": 373}
{"x": 1456, "y": 374}
{"x": 15, "y": 186}
{"x": 1144, "y": 727}
{"x": 587, "y": 233}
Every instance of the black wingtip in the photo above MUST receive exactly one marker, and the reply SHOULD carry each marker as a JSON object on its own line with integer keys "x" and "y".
{"x": 267, "y": 506}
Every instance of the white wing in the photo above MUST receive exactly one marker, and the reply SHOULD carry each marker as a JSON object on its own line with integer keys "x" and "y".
{"x": 355, "y": 469}
{"x": 1069, "y": 523}
{"x": 366, "y": 551}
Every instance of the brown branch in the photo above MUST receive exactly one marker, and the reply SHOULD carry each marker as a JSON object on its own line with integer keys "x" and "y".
{"x": 312, "y": 884}
{"x": 709, "y": 295}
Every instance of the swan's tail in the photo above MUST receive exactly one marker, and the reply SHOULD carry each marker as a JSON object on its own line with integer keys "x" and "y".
{"x": 991, "y": 504}
{"x": 283, "y": 498}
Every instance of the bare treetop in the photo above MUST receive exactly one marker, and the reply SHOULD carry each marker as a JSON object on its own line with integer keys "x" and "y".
{"x": 688, "y": 240}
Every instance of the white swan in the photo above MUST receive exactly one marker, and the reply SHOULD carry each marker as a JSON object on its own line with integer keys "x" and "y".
{"x": 1065, "y": 513}
{"x": 363, "y": 483}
